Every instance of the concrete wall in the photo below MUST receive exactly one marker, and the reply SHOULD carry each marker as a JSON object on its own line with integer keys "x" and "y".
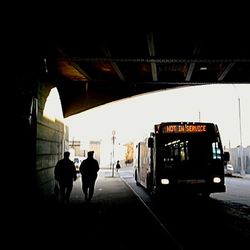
{"x": 51, "y": 142}
{"x": 38, "y": 142}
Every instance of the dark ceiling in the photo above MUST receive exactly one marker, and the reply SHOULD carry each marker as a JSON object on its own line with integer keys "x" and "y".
{"x": 93, "y": 68}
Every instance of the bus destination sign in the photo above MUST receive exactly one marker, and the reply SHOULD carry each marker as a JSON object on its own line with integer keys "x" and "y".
{"x": 184, "y": 128}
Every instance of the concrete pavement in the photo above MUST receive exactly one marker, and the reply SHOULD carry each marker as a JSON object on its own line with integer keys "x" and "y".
{"x": 114, "y": 219}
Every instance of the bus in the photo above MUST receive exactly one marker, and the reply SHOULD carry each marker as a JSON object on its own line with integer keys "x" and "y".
{"x": 183, "y": 157}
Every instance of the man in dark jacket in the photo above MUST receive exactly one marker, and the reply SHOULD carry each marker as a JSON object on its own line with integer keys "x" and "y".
{"x": 88, "y": 169}
{"x": 65, "y": 174}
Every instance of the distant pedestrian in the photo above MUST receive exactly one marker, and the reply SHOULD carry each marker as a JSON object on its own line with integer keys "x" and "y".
{"x": 65, "y": 174}
{"x": 117, "y": 166}
{"x": 88, "y": 169}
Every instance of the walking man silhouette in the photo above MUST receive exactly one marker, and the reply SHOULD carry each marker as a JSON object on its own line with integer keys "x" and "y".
{"x": 65, "y": 174}
{"x": 88, "y": 169}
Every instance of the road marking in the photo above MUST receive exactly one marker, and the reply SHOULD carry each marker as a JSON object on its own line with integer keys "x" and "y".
{"x": 155, "y": 217}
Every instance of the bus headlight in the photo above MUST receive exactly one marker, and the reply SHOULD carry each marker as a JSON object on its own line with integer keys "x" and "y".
{"x": 216, "y": 179}
{"x": 164, "y": 181}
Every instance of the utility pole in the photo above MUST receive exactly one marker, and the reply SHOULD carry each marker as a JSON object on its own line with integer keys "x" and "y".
{"x": 111, "y": 157}
{"x": 242, "y": 172}
{"x": 113, "y": 152}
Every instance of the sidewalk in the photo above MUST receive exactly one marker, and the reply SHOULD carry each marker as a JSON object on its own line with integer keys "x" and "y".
{"x": 245, "y": 176}
{"x": 114, "y": 219}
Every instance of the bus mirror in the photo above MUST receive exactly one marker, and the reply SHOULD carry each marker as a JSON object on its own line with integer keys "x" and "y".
{"x": 152, "y": 134}
{"x": 226, "y": 156}
{"x": 150, "y": 142}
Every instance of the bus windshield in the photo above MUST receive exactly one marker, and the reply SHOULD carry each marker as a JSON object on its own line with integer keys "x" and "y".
{"x": 182, "y": 150}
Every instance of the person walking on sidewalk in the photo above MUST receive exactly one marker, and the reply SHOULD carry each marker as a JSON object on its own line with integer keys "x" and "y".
{"x": 117, "y": 166}
{"x": 89, "y": 169}
{"x": 65, "y": 174}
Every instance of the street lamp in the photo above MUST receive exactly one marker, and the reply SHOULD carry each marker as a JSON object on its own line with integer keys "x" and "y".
{"x": 242, "y": 172}
{"x": 113, "y": 152}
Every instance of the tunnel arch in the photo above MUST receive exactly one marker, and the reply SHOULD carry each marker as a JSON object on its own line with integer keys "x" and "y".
{"x": 53, "y": 107}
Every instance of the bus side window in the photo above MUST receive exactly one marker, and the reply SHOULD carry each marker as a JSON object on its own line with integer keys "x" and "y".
{"x": 216, "y": 151}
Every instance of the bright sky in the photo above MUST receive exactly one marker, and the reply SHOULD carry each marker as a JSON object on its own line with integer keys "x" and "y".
{"x": 133, "y": 118}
